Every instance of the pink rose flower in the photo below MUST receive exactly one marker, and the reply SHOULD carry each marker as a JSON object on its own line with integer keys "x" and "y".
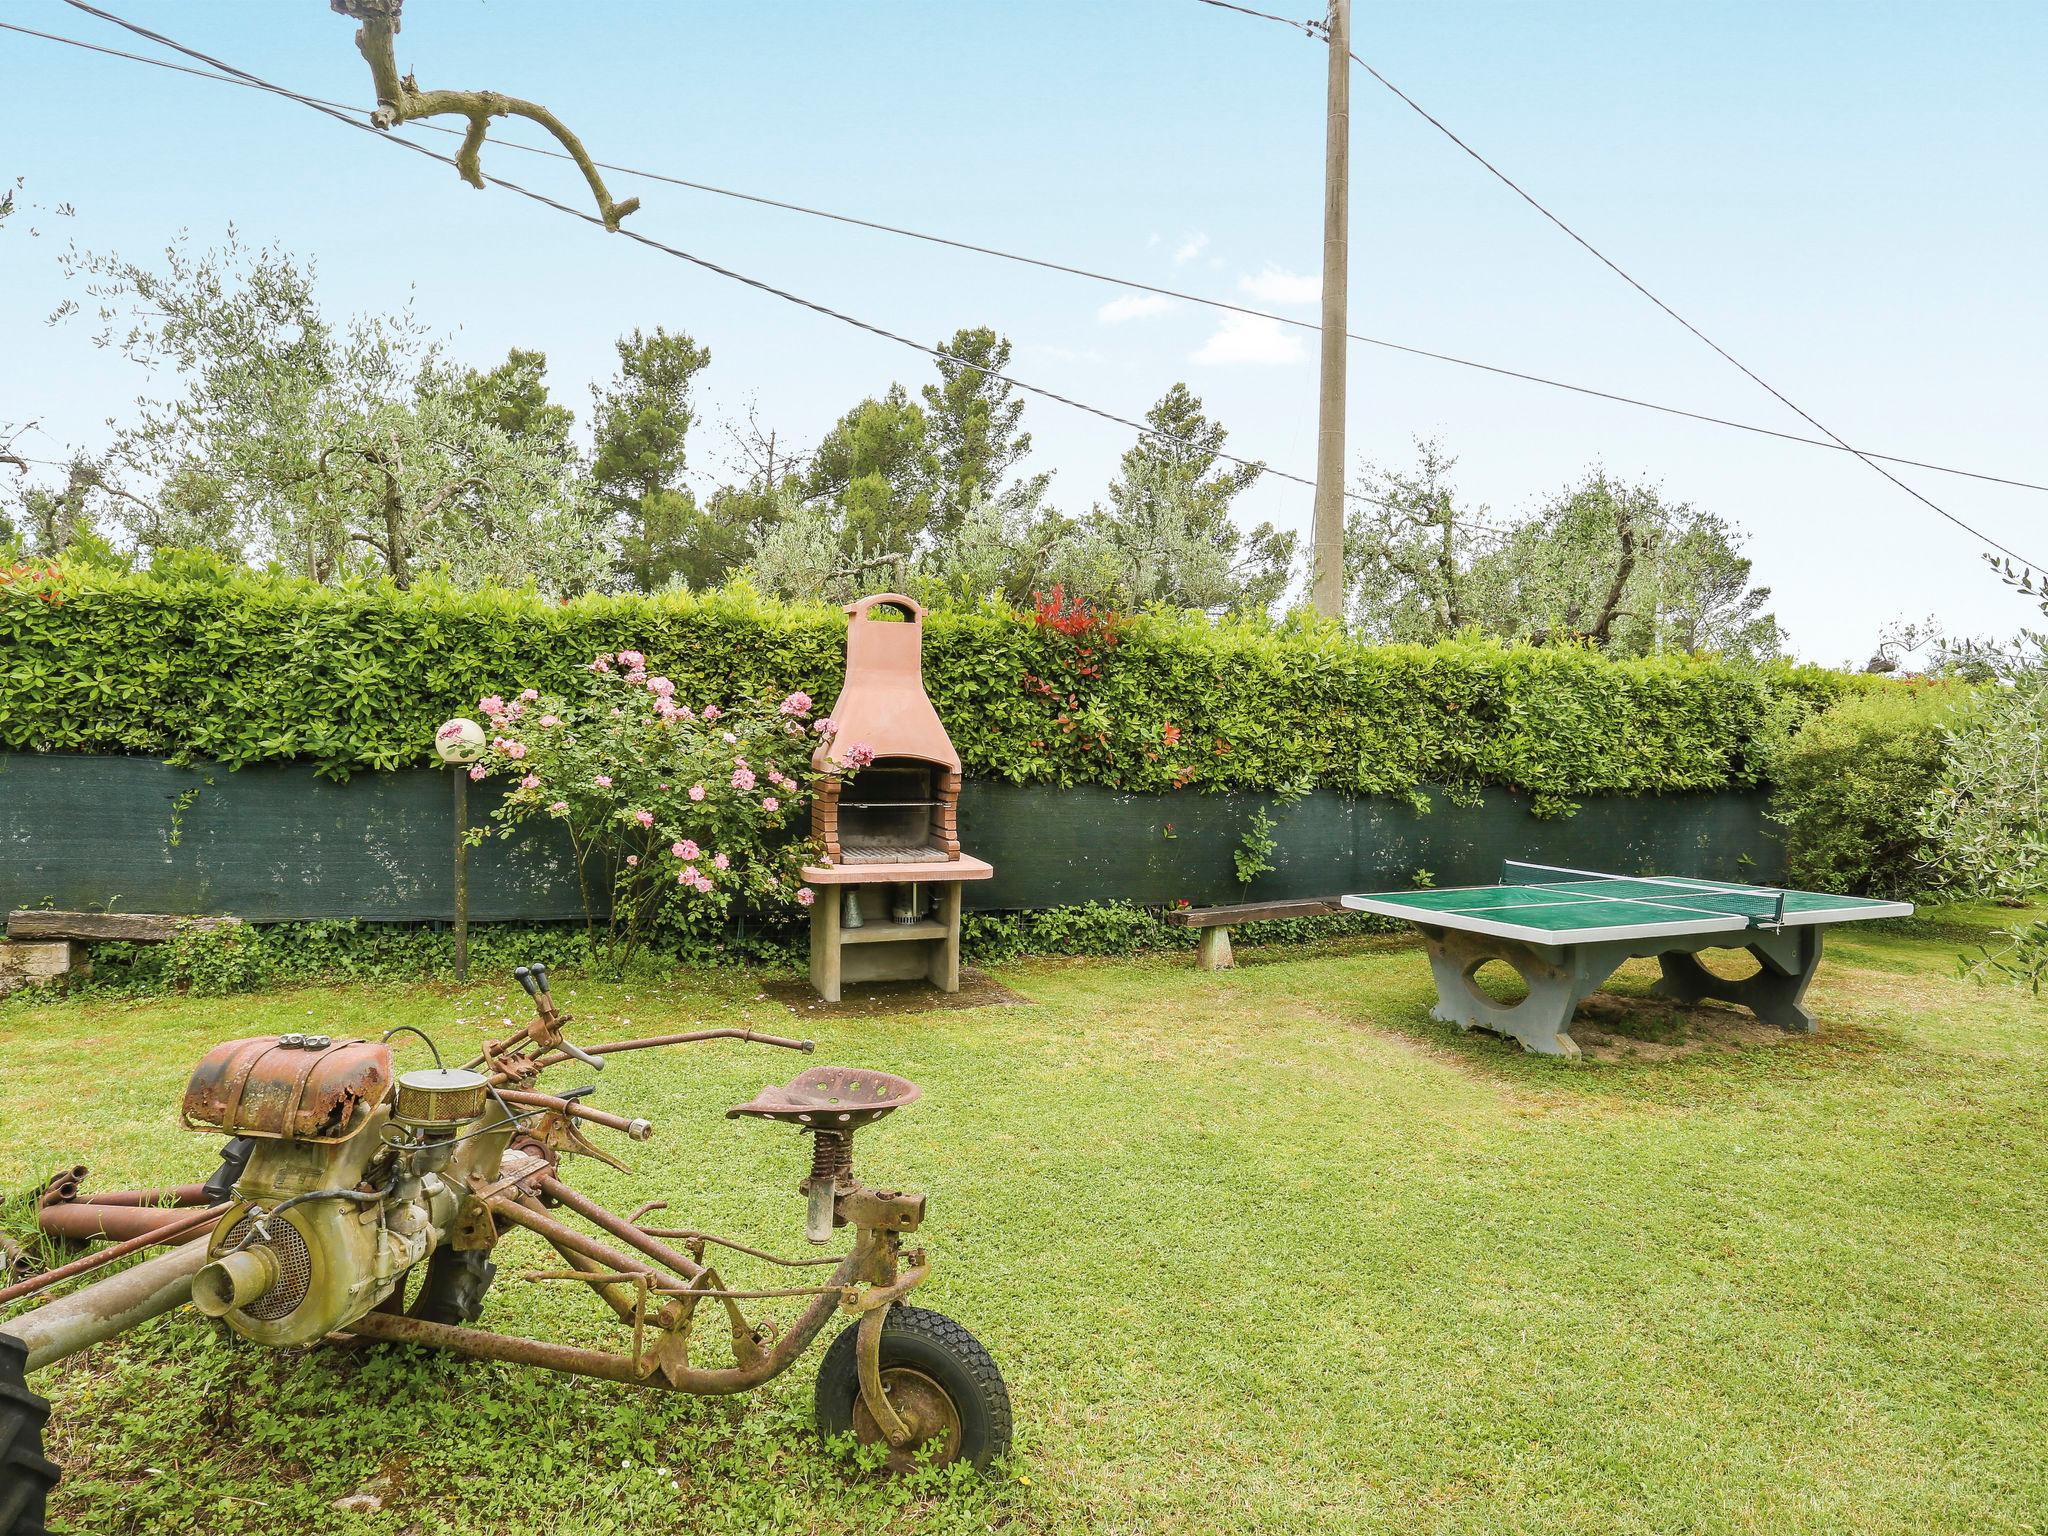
{"x": 601, "y": 664}
{"x": 530, "y": 782}
{"x": 684, "y": 712}
{"x": 805, "y": 895}
{"x": 632, "y": 659}
{"x": 720, "y": 861}
{"x": 743, "y": 778}
{"x": 798, "y": 703}
{"x": 685, "y": 849}
{"x": 477, "y": 770}
{"x": 771, "y": 804}
{"x": 822, "y": 725}
{"x": 603, "y": 781}
{"x": 514, "y": 710}
{"x": 645, "y": 818}
{"x": 859, "y": 755}
{"x": 792, "y": 728}
{"x": 529, "y": 694}
{"x": 515, "y": 749}
{"x": 712, "y": 711}
{"x": 730, "y": 739}
{"x": 559, "y": 808}
{"x": 491, "y": 705}
{"x": 548, "y": 722}
{"x": 632, "y": 861}
{"x": 696, "y": 791}
{"x": 661, "y": 687}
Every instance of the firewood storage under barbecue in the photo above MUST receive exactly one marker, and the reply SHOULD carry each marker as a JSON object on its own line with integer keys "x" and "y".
{"x": 886, "y": 810}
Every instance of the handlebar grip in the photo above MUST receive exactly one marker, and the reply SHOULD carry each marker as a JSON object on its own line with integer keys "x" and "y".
{"x": 595, "y": 1063}
{"x": 525, "y": 979}
{"x": 540, "y": 975}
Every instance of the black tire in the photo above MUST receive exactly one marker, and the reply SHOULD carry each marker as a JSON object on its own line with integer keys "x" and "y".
{"x": 26, "y": 1475}
{"x": 453, "y": 1291}
{"x": 921, "y": 1351}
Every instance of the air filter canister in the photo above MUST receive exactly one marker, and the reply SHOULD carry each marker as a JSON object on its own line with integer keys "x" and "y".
{"x": 441, "y": 1096}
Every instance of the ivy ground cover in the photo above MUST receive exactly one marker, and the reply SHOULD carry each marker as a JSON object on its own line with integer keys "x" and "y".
{"x": 1259, "y": 1251}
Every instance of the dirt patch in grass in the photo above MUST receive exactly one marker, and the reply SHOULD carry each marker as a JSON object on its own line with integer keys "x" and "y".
{"x": 869, "y": 999}
{"x": 1615, "y": 1028}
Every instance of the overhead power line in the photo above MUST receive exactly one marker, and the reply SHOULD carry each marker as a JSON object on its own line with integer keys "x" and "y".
{"x": 343, "y": 115}
{"x": 1110, "y": 279}
{"x": 1314, "y": 29}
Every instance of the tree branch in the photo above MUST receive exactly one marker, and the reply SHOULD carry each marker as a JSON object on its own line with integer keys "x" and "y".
{"x": 400, "y": 100}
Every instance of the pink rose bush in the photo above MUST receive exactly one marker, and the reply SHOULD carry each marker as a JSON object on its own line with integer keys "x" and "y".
{"x": 629, "y": 772}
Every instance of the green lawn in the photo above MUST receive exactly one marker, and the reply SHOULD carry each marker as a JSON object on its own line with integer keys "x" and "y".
{"x": 1265, "y": 1250}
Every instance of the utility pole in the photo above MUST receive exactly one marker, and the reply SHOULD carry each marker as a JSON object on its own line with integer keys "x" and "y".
{"x": 1326, "y": 576}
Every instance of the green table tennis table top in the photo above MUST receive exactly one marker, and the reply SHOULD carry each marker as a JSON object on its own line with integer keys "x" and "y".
{"x": 1544, "y": 904}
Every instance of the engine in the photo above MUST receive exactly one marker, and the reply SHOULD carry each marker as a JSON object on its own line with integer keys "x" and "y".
{"x": 350, "y": 1178}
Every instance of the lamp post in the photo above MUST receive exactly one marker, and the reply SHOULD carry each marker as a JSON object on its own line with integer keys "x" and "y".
{"x": 458, "y": 743}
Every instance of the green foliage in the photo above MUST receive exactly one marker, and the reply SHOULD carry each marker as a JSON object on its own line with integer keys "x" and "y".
{"x": 678, "y": 817}
{"x": 1987, "y": 818}
{"x": 1253, "y": 855}
{"x": 1601, "y": 563}
{"x": 641, "y": 425}
{"x": 329, "y": 449}
{"x": 2020, "y": 961}
{"x": 236, "y": 668}
{"x": 1851, "y": 787}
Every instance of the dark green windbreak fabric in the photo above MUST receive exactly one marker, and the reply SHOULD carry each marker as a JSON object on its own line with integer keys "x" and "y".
{"x": 275, "y": 843}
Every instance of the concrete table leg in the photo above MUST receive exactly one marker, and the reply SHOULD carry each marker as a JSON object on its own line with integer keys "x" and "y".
{"x": 1786, "y": 961}
{"x": 1559, "y": 978}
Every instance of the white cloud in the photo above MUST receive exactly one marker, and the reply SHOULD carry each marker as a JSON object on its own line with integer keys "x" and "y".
{"x": 1250, "y": 339}
{"x": 1189, "y": 249}
{"x": 1277, "y": 285}
{"x": 1133, "y": 306}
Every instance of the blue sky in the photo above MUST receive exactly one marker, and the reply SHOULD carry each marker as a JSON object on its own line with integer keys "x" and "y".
{"x": 1850, "y": 197}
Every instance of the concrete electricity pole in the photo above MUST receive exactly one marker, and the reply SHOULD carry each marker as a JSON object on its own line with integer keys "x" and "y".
{"x": 1326, "y": 578}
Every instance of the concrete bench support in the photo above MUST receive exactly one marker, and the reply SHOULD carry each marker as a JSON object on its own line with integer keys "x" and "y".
{"x": 1213, "y": 953}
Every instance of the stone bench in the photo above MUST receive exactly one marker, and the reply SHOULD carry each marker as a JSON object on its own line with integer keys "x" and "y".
{"x": 43, "y": 945}
{"x": 1216, "y": 922}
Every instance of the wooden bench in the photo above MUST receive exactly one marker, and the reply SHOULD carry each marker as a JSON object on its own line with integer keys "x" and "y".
{"x": 1216, "y": 923}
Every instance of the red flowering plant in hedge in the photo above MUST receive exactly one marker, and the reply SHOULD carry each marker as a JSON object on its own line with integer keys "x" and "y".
{"x": 676, "y": 813}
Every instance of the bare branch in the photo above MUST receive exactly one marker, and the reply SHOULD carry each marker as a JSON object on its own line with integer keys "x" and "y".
{"x": 400, "y": 100}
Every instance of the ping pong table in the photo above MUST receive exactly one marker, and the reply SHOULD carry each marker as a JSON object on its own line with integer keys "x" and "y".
{"x": 1564, "y": 931}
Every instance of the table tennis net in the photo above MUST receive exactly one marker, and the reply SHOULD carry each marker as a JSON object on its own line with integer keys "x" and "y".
{"x": 1762, "y": 906}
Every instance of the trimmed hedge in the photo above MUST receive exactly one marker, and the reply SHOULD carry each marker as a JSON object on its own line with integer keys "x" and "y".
{"x": 239, "y": 669}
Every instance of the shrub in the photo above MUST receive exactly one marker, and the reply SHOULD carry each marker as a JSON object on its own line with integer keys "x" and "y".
{"x": 1987, "y": 819}
{"x": 1851, "y": 787}
{"x": 678, "y": 816}
{"x": 247, "y": 668}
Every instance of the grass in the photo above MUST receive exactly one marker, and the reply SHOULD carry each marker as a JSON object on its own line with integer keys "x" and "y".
{"x": 1264, "y": 1250}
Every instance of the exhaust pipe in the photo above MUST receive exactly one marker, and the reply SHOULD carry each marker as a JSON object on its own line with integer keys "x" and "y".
{"x": 107, "y": 1307}
{"x": 234, "y": 1280}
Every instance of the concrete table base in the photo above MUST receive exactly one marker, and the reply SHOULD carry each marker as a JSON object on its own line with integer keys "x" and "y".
{"x": 1561, "y": 976}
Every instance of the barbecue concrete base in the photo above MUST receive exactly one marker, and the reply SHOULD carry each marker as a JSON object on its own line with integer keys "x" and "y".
{"x": 882, "y": 949}
{"x": 1561, "y": 976}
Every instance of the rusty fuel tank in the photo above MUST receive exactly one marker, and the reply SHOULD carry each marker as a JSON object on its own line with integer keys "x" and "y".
{"x": 288, "y": 1087}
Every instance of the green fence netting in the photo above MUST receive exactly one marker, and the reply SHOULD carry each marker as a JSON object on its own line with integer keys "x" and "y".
{"x": 276, "y": 843}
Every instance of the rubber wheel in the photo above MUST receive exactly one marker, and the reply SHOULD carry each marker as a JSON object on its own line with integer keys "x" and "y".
{"x": 938, "y": 1377}
{"x": 26, "y": 1475}
{"x": 453, "y": 1291}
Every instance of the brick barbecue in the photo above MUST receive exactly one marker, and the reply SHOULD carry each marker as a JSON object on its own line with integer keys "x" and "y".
{"x": 904, "y": 806}
{"x": 886, "y": 810}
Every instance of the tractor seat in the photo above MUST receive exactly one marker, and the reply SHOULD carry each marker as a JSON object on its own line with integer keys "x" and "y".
{"x": 831, "y": 1098}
